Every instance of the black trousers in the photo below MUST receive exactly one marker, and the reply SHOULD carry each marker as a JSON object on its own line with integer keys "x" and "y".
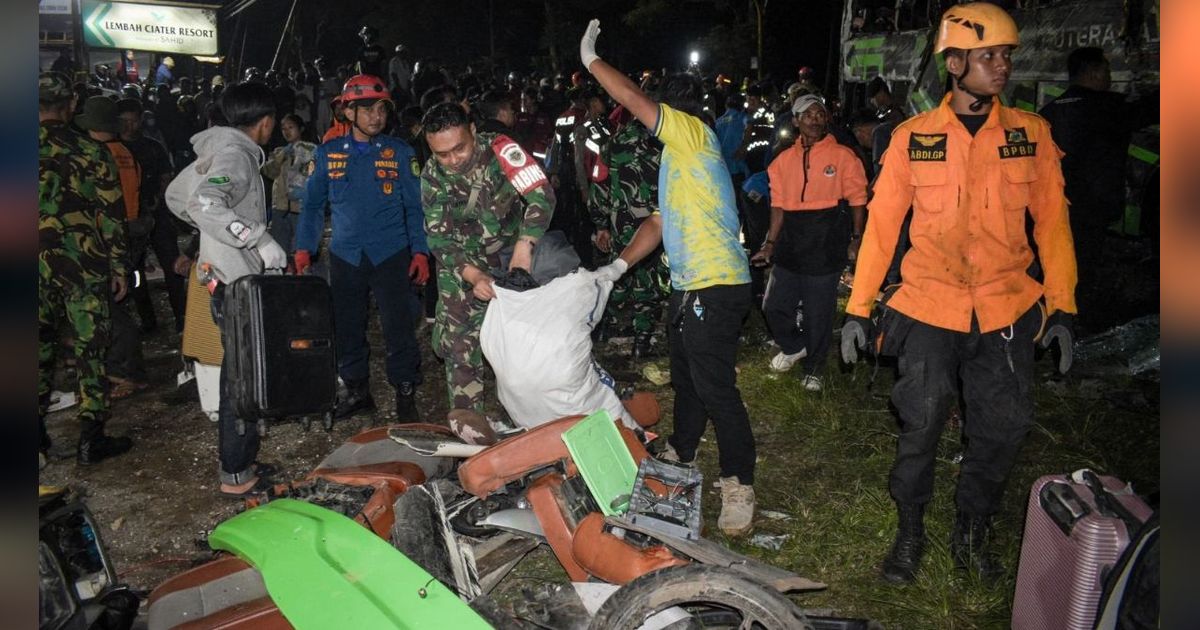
{"x": 996, "y": 370}
{"x": 352, "y": 287}
{"x": 816, "y": 298}
{"x": 703, "y": 335}
{"x": 235, "y": 452}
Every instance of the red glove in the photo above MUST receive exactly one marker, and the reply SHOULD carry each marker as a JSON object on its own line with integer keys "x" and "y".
{"x": 418, "y": 269}
{"x": 303, "y": 261}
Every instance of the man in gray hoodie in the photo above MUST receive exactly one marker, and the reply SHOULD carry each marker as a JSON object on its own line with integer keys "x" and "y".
{"x": 222, "y": 194}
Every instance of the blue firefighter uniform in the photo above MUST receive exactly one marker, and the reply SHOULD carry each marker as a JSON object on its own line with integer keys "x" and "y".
{"x": 374, "y": 196}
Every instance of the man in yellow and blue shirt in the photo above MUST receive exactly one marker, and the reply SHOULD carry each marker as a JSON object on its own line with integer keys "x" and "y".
{"x": 697, "y": 224}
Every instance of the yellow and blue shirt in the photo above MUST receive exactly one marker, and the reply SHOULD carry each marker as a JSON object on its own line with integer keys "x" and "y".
{"x": 699, "y": 211}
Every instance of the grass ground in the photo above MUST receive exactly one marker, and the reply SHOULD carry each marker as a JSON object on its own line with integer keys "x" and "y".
{"x": 824, "y": 460}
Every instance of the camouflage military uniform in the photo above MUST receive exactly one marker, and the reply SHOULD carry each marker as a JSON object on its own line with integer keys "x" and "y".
{"x": 620, "y": 203}
{"x": 469, "y": 218}
{"x": 82, "y": 245}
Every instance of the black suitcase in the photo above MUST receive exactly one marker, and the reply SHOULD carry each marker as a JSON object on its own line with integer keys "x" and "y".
{"x": 280, "y": 333}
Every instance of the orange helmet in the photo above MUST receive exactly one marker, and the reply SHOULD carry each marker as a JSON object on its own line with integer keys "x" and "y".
{"x": 362, "y": 87}
{"x": 723, "y": 80}
{"x": 976, "y": 25}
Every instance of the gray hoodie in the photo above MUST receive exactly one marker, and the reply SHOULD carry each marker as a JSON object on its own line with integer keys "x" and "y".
{"x": 222, "y": 194}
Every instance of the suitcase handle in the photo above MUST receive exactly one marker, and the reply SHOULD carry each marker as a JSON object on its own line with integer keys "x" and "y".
{"x": 1106, "y": 503}
{"x": 1063, "y": 505}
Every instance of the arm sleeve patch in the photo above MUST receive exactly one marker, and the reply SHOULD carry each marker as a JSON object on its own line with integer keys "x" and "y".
{"x": 523, "y": 172}
{"x": 239, "y": 230}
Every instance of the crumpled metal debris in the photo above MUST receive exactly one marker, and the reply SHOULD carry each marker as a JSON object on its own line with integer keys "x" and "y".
{"x": 1131, "y": 348}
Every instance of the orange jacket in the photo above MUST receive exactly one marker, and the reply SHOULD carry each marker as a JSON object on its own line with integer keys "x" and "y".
{"x": 969, "y": 250}
{"x": 131, "y": 176}
{"x": 336, "y": 130}
{"x": 829, "y": 173}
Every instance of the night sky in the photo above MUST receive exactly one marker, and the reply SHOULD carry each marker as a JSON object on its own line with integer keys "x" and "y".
{"x": 795, "y": 32}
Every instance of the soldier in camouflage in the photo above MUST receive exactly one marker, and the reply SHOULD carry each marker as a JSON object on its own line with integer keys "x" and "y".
{"x": 619, "y": 203}
{"x": 81, "y": 256}
{"x": 482, "y": 193}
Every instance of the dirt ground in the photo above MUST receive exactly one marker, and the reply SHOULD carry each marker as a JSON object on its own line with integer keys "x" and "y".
{"x": 157, "y": 504}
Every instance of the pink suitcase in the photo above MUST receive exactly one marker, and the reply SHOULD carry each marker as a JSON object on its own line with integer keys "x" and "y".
{"x": 1076, "y": 526}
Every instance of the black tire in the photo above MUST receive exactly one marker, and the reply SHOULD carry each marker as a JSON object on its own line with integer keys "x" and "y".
{"x": 708, "y": 592}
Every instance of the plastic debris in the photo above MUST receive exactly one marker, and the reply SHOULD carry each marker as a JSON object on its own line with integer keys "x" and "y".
{"x": 62, "y": 400}
{"x": 778, "y": 516}
{"x": 767, "y": 541}
{"x": 1131, "y": 348}
{"x": 656, "y": 375}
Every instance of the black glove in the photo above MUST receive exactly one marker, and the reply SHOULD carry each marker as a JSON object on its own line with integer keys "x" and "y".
{"x": 1060, "y": 327}
{"x": 856, "y": 333}
{"x": 517, "y": 280}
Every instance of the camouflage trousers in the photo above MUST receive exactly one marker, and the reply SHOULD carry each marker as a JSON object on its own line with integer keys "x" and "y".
{"x": 85, "y": 310}
{"x": 636, "y": 302}
{"x": 457, "y": 321}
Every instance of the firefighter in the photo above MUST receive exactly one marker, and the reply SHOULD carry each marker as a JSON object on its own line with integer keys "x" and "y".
{"x": 967, "y": 310}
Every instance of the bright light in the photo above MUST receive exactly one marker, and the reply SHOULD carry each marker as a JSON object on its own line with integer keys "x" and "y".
{"x": 694, "y": 57}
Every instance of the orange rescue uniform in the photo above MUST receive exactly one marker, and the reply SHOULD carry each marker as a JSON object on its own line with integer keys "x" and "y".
{"x": 131, "y": 176}
{"x": 970, "y": 251}
{"x": 817, "y": 179}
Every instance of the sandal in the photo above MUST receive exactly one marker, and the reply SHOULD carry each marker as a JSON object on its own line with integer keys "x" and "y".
{"x": 261, "y": 486}
{"x": 263, "y": 469}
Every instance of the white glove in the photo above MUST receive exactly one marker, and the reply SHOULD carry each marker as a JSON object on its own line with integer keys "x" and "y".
{"x": 612, "y": 271}
{"x": 587, "y": 45}
{"x": 272, "y": 254}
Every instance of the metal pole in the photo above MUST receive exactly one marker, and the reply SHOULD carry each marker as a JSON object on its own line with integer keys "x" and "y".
{"x": 283, "y": 35}
{"x": 82, "y": 58}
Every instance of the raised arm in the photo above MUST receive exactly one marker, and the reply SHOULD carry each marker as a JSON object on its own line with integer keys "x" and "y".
{"x": 618, "y": 86}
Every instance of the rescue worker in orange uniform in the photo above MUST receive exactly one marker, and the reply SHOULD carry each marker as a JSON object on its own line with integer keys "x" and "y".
{"x": 967, "y": 310}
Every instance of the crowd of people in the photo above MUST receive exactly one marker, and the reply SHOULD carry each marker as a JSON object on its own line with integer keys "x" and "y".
{"x": 702, "y": 200}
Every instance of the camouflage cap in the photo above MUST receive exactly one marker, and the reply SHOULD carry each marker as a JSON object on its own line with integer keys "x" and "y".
{"x": 54, "y": 87}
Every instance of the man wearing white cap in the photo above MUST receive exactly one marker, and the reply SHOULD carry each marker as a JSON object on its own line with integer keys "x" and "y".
{"x": 811, "y": 238}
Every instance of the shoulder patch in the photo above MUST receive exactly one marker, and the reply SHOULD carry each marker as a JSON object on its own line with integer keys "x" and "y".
{"x": 524, "y": 174}
{"x": 218, "y": 180}
{"x": 414, "y": 166}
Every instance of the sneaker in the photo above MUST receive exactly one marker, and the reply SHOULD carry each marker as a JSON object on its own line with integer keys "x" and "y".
{"x": 669, "y": 454}
{"x": 783, "y": 362}
{"x": 737, "y": 507}
{"x": 812, "y": 383}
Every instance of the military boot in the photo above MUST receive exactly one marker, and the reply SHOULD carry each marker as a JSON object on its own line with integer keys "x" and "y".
{"x": 901, "y": 564}
{"x": 356, "y": 398}
{"x": 970, "y": 546}
{"x": 406, "y": 403}
{"x": 94, "y": 446}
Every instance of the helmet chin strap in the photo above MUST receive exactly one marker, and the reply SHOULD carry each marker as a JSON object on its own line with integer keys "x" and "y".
{"x": 980, "y": 99}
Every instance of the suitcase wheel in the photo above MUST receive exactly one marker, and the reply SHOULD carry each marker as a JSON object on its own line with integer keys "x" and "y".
{"x": 327, "y": 421}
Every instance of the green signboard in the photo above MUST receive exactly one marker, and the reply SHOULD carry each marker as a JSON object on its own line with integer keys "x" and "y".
{"x": 150, "y": 27}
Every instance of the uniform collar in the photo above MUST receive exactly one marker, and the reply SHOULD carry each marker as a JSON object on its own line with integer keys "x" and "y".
{"x": 945, "y": 118}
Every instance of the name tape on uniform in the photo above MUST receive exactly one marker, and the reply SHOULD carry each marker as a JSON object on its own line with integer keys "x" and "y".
{"x": 927, "y": 147}
{"x": 1017, "y": 144}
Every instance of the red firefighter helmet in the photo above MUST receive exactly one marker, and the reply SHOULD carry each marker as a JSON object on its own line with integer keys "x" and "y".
{"x": 805, "y": 72}
{"x": 362, "y": 87}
